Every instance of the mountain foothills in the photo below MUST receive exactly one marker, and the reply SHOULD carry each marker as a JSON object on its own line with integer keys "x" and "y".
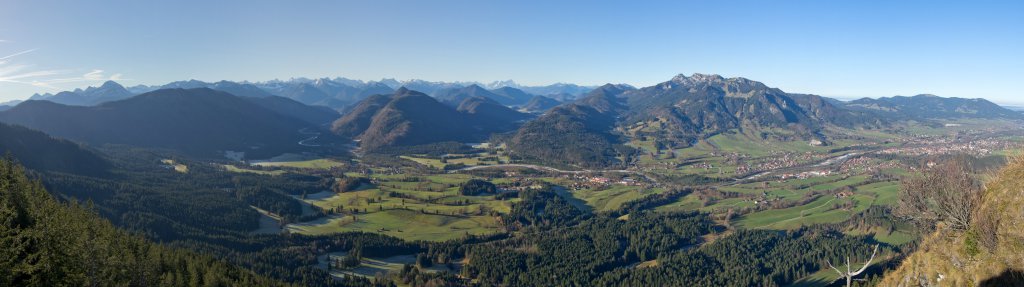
{"x": 540, "y": 104}
{"x": 931, "y": 106}
{"x": 412, "y": 118}
{"x": 49, "y": 243}
{"x": 700, "y": 180}
{"x": 313, "y": 115}
{"x": 201, "y": 122}
{"x": 575, "y": 134}
{"x": 39, "y": 151}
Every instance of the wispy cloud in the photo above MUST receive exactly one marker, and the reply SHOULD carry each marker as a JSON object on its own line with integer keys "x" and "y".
{"x": 17, "y": 54}
{"x": 5, "y": 59}
{"x": 91, "y": 76}
{"x": 50, "y": 79}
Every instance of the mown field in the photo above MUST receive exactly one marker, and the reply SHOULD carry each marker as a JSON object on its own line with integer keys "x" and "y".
{"x": 465, "y": 159}
{"x": 233, "y": 168}
{"x": 320, "y": 163}
{"x": 285, "y": 163}
{"x": 409, "y": 207}
{"x": 370, "y": 266}
{"x": 612, "y": 197}
{"x": 405, "y": 224}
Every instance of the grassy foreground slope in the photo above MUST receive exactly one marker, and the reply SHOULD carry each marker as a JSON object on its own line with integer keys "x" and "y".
{"x": 982, "y": 256}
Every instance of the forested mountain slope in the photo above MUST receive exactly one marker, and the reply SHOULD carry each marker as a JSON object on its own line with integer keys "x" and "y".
{"x": 48, "y": 243}
{"x": 688, "y": 109}
{"x": 39, "y": 151}
{"x": 922, "y": 107}
{"x": 577, "y": 134}
{"x": 409, "y": 117}
{"x": 701, "y": 105}
{"x": 201, "y": 122}
{"x": 539, "y": 104}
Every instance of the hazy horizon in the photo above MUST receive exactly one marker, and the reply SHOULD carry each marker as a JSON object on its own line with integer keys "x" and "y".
{"x": 839, "y": 50}
{"x": 1011, "y": 103}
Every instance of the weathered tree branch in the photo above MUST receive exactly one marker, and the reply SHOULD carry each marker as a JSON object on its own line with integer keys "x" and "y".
{"x": 850, "y": 274}
{"x": 866, "y": 264}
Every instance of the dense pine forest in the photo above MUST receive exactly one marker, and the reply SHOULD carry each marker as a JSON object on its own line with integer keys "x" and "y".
{"x": 45, "y": 242}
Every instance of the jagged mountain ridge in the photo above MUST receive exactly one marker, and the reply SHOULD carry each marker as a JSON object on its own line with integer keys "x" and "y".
{"x": 91, "y": 96}
{"x": 506, "y": 96}
{"x": 337, "y": 93}
{"x": 565, "y": 91}
{"x": 693, "y": 108}
{"x": 703, "y": 105}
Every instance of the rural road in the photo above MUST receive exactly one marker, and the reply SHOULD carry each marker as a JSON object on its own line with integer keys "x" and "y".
{"x": 314, "y": 136}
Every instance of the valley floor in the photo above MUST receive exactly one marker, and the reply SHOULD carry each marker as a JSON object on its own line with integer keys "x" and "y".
{"x": 742, "y": 183}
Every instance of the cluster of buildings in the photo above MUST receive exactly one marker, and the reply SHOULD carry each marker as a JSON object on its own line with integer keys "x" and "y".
{"x": 521, "y": 184}
{"x": 940, "y": 146}
{"x": 580, "y": 181}
{"x": 778, "y": 161}
{"x": 866, "y": 164}
{"x": 806, "y": 174}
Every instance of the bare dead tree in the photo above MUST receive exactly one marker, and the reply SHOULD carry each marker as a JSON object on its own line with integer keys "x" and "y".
{"x": 850, "y": 274}
{"x": 947, "y": 192}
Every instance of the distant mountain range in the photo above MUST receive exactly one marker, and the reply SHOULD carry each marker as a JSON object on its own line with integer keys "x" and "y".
{"x": 202, "y": 122}
{"x": 931, "y": 106}
{"x": 337, "y": 93}
{"x": 507, "y": 96}
{"x": 563, "y": 124}
{"x": 561, "y": 91}
{"x": 109, "y": 91}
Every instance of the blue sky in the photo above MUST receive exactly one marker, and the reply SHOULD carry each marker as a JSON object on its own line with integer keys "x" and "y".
{"x": 843, "y": 49}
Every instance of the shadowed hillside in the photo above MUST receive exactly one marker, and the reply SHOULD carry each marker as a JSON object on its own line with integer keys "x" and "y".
{"x": 48, "y": 243}
{"x": 577, "y": 134}
{"x": 201, "y": 122}
{"x": 39, "y": 151}
{"x": 409, "y": 118}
